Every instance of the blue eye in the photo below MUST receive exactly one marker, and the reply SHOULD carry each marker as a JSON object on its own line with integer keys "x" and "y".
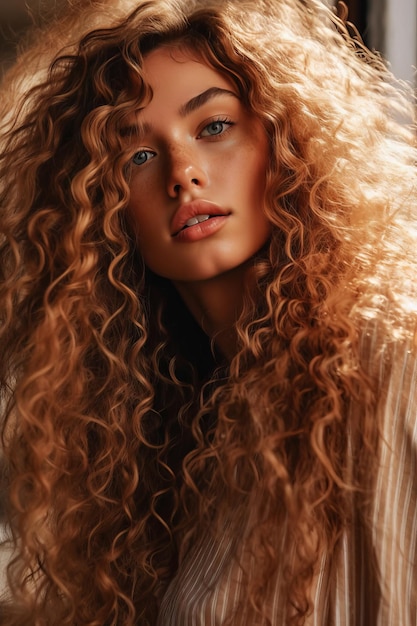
{"x": 217, "y": 127}
{"x": 142, "y": 157}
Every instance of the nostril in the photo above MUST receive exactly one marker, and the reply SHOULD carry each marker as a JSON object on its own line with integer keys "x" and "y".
{"x": 177, "y": 186}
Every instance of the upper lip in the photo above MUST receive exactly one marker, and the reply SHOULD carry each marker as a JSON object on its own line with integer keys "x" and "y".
{"x": 192, "y": 209}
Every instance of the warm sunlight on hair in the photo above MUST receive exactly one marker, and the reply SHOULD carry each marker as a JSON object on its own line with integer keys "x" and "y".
{"x": 208, "y": 307}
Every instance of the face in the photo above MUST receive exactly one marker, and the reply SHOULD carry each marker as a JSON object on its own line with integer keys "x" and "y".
{"x": 198, "y": 173}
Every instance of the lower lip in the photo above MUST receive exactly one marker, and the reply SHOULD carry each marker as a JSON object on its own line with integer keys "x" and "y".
{"x": 201, "y": 230}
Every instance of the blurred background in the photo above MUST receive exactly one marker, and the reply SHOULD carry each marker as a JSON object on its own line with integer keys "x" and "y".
{"x": 389, "y": 26}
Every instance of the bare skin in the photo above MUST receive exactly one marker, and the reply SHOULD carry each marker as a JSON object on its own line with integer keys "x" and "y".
{"x": 197, "y": 188}
{"x": 216, "y": 304}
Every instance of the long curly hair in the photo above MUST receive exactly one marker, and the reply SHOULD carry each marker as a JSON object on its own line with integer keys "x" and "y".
{"x": 124, "y": 435}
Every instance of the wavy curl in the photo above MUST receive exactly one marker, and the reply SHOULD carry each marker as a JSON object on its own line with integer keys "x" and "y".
{"x": 115, "y": 460}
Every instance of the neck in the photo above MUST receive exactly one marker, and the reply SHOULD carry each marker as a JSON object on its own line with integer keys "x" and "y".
{"x": 216, "y": 304}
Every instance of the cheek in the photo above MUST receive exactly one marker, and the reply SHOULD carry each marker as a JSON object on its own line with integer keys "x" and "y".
{"x": 142, "y": 230}
{"x": 134, "y": 216}
{"x": 146, "y": 235}
{"x": 254, "y": 173}
{"x": 146, "y": 245}
{"x": 254, "y": 164}
{"x": 141, "y": 205}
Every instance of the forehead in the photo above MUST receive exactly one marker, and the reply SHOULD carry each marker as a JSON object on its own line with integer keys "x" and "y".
{"x": 181, "y": 82}
{"x": 176, "y": 74}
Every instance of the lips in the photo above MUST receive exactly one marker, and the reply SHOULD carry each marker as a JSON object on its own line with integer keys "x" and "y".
{"x": 193, "y": 213}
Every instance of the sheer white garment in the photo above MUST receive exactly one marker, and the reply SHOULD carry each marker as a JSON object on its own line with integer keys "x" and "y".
{"x": 347, "y": 590}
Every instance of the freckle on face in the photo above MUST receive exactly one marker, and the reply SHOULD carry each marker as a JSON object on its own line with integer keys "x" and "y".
{"x": 189, "y": 160}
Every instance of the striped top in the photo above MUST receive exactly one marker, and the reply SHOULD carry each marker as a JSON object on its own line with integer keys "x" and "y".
{"x": 347, "y": 591}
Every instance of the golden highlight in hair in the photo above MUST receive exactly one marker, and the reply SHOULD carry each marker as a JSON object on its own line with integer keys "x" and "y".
{"x": 124, "y": 437}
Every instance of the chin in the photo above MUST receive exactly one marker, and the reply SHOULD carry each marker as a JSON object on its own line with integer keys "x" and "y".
{"x": 202, "y": 274}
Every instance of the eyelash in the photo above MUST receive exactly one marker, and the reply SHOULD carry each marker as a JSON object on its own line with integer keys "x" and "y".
{"x": 220, "y": 120}
{"x": 141, "y": 152}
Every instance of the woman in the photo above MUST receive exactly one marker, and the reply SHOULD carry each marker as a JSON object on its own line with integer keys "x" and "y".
{"x": 208, "y": 315}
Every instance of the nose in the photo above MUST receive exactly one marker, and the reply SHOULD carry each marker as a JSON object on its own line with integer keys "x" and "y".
{"x": 185, "y": 172}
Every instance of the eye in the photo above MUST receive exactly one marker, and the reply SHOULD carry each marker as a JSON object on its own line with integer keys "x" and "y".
{"x": 217, "y": 127}
{"x": 141, "y": 157}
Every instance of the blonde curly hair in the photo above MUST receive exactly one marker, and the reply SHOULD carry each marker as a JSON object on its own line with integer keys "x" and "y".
{"x": 123, "y": 435}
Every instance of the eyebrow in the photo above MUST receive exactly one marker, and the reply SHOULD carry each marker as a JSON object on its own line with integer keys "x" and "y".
{"x": 201, "y": 99}
{"x": 192, "y": 105}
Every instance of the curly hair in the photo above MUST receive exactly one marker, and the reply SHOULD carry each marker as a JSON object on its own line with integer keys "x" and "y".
{"x": 124, "y": 435}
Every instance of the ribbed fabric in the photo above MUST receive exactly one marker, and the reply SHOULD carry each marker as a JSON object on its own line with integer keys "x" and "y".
{"x": 371, "y": 580}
